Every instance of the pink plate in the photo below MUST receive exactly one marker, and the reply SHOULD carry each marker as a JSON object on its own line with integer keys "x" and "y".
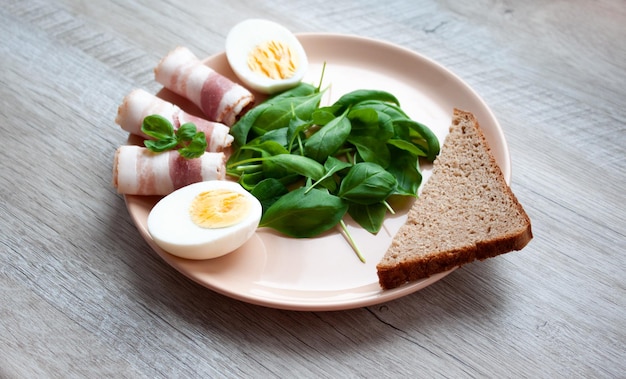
{"x": 323, "y": 273}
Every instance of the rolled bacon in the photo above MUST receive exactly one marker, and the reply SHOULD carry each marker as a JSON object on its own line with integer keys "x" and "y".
{"x": 219, "y": 98}
{"x": 138, "y": 171}
{"x": 138, "y": 104}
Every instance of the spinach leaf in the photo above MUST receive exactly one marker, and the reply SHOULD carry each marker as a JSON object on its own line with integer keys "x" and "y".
{"x": 351, "y": 98}
{"x": 279, "y": 113}
{"x": 322, "y": 116}
{"x": 407, "y": 146}
{"x": 420, "y": 135}
{"x": 405, "y": 168}
{"x": 290, "y": 137}
{"x": 372, "y": 149}
{"x": 331, "y": 167}
{"x": 304, "y": 214}
{"x": 295, "y": 131}
{"x": 279, "y": 136}
{"x": 328, "y": 139}
{"x": 392, "y": 110}
{"x": 366, "y": 116}
{"x": 369, "y": 217}
{"x": 267, "y": 148}
{"x": 268, "y": 191}
{"x": 242, "y": 127}
{"x": 367, "y": 183}
{"x": 286, "y": 164}
{"x": 302, "y": 89}
{"x": 334, "y": 165}
{"x": 250, "y": 180}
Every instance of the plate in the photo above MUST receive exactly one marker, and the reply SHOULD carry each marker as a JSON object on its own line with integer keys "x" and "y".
{"x": 323, "y": 273}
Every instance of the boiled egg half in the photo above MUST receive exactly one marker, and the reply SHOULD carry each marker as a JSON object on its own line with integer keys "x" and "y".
{"x": 204, "y": 220}
{"x": 265, "y": 56}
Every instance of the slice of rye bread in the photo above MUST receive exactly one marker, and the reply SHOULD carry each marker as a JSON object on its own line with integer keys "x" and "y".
{"x": 466, "y": 211}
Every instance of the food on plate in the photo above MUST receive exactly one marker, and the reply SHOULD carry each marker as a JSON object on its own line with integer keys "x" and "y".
{"x": 311, "y": 165}
{"x": 466, "y": 211}
{"x": 265, "y": 56}
{"x": 139, "y": 171}
{"x": 186, "y": 139}
{"x": 204, "y": 220}
{"x": 219, "y": 98}
{"x": 139, "y": 104}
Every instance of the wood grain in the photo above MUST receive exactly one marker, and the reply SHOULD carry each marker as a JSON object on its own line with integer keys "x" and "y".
{"x": 82, "y": 295}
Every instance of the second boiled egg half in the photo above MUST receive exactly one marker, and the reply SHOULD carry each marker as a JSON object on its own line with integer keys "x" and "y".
{"x": 204, "y": 220}
{"x": 265, "y": 56}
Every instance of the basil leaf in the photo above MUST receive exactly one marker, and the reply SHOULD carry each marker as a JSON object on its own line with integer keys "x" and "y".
{"x": 161, "y": 145}
{"x": 304, "y": 214}
{"x": 157, "y": 126}
{"x": 186, "y": 132}
{"x": 367, "y": 183}
{"x": 195, "y": 148}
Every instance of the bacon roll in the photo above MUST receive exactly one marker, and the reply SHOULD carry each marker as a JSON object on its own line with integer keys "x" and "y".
{"x": 219, "y": 98}
{"x": 138, "y": 104}
{"x": 138, "y": 171}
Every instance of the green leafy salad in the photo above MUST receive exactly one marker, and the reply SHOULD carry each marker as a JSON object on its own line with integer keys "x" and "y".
{"x": 310, "y": 165}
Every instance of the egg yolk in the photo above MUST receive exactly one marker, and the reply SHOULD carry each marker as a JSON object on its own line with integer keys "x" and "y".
{"x": 273, "y": 59}
{"x": 219, "y": 208}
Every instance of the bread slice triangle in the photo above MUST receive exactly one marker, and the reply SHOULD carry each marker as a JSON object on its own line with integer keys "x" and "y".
{"x": 466, "y": 211}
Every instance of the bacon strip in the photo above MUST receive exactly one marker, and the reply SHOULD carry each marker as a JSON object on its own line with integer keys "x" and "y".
{"x": 138, "y": 104}
{"x": 138, "y": 171}
{"x": 219, "y": 98}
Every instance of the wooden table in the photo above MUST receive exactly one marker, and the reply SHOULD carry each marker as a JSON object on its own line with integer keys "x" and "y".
{"x": 83, "y": 295}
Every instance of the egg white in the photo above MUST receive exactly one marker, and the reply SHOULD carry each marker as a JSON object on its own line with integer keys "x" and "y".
{"x": 172, "y": 229}
{"x": 245, "y": 36}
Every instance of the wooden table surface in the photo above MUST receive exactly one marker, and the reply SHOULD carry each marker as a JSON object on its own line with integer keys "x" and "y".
{"x": 83, "y": 295}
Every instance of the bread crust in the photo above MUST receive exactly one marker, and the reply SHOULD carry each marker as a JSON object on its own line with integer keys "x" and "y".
{"x": 416, "y": 264}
